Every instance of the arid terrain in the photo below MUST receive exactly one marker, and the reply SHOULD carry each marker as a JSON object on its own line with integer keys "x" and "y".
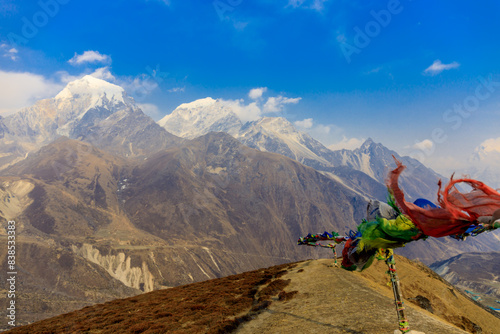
{"x": 308, "y": 297}
{"x": 476, "y": 273}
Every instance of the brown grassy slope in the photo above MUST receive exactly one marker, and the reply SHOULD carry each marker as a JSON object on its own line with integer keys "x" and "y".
{"x": 446, "y": 301}
{"x": 308, "y": 297}
{"x": 214, "y": 306}
{"x": 333, "y": 300}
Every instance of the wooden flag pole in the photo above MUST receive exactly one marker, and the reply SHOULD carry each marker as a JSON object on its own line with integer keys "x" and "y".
{"x": 398, "y": 296}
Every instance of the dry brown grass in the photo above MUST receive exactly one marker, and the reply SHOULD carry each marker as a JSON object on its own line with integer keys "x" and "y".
{"x": 214, "y": 306}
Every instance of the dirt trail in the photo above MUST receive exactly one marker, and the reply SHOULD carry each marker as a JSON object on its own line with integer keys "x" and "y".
{"x": 332, "y": 300}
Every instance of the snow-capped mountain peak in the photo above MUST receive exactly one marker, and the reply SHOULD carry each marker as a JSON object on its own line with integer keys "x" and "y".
{"x": 82, "y": 103}
{"x": 366, "y": 145}
{"x": 277, "y": 124}
{"x": 273, "y": 134}
{"x": 200, "y": 103}
{"x": 194, "y": 119}
{"x": 88, "y": 109}
{"x": 96, "y": 91}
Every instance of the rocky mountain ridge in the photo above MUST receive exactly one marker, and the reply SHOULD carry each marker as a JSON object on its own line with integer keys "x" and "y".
{"x": 278, "y": 135}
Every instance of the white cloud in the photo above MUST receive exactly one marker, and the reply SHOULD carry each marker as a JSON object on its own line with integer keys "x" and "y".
{"x": 445, "y": 165}
{"x": 425, "y": 145}
{"x": 150, "y": 109}
{"x": 18, "y": 90}
{"x": 246, "y": 112}
{"x": 276, "y": 104}
{"x": 347, "y": 143}
{"x": 22, "y": 89}
{"x": 318, "y": 4}
{"x": 254, "y": 110}
{"x": 438, "y": 67}
{"x": 304, "y": 124}
{"x": 9, "y": 52}
{"x": 487, "y": 153}
{"x": 138, "y": 87}
{"x": 89, "y": 57}
{"x": 177, "y": 90}
{"x": 295, "y": 3}
{"x": 256, "y": 93}
{"x": 103, "y": 73}
{"x": 489, "y": 145}
{"x": 327, "y": 134}
{"x": 321, "y": 129}
{"x": 65, "y": 77}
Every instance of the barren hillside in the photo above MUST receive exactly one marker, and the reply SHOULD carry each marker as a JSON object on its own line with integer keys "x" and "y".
{"x": 307, "y": 297}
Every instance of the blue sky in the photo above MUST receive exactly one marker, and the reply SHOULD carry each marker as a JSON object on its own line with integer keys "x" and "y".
{"x": 418, "y": 76}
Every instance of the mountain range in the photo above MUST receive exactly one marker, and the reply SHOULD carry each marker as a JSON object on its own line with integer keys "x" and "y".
{"x": 278, "y": 135}
{"x": 87, "y": 109}
{"x": 476, "y": 273}
{"x": 109, "y": 203}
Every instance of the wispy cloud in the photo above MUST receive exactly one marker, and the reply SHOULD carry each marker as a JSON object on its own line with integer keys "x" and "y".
{"x": 256, "y": 93}
{"x": 304, "y": 124}
{"x": 308, "y": 4}
{"x": 372, "y": 71}
{"x": 177, "y": 90}
{"x": 9, "y": 52}
{"x": 246, "y": 112}
{"x": 489, "y": 145}
{"x": 438, "y": 67}
{"x": 257, "y": 108}
{"x": 22, "y": 89}
{"x": 347, "y": 143}
{"x": 89, "y": 57}
{"x": 276, "y": 104}
{"x": 328, "y": 134}
{"x": 425, "y": 145}
{"x": 150, "y": 109}
{"x": 104, "y": 73}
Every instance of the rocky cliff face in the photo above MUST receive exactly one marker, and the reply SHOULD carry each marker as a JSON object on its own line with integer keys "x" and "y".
{"x": 119, "y": 267}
